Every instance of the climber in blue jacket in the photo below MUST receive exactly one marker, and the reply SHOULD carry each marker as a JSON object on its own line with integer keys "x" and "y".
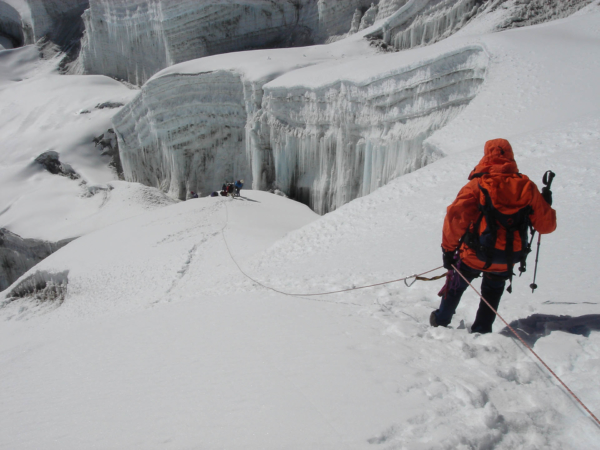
{"x": 239, "y": 184}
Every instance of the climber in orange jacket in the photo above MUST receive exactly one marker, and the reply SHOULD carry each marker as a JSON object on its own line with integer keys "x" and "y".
{"x": 485, "y": 230}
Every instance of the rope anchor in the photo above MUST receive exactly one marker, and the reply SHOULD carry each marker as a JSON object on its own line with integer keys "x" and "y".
{"x": 416, "y": 278}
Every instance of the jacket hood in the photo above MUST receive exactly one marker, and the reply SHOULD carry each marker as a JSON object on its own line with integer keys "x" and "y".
{"x": 497, "y": 158}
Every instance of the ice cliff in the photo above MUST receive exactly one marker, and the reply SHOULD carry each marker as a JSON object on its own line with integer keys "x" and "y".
{"x": 185, "y": 133}
{"x": 134, "y": 39}
{"x": 27, "y": 21}
{"x": 422, "y": 22}
{"x": 330, "y": 144}
{"x": 323, "y": 144}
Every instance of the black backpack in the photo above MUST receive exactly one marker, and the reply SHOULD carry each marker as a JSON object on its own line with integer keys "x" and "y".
{"x": 484, "y": 244}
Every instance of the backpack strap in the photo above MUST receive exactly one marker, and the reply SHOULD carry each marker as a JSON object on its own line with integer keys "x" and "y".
{"x": 487, "y": 211}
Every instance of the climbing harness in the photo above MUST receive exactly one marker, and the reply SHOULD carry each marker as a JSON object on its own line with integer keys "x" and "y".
{"x": 528, "y": 347}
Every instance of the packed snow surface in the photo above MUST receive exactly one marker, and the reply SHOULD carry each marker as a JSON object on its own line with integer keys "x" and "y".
{"x": 157, "y": 328}
{"x": 42, "y": 111}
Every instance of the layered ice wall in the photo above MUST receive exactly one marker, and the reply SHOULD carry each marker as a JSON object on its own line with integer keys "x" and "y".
{"x": 59, "y": 20}
{"x": 326, "y": 146}
{"x": 11, "y": 25}
{"x": 27, "y": 21}
{"x": 185, "y": 133}
{"x": 323, "y": 145}
{"x": 531, "y": 12}
{"x": 134, "y": 39}
{"x": 423, "y": 22}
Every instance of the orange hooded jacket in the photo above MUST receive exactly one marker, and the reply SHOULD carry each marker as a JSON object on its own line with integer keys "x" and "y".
{"x": 510, "y": 191}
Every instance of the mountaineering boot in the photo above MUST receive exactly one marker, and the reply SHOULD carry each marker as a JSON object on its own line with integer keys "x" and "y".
{"x": 433, "y": 319}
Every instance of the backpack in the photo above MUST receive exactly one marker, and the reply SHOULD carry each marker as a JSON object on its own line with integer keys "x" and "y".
{"x": 485, "y": 243}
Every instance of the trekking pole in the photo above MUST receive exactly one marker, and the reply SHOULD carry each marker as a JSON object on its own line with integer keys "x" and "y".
{"x": 547, "y": 180}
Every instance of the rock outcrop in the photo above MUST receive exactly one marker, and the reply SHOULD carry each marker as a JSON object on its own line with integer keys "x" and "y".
{"x": 51, "y": 162}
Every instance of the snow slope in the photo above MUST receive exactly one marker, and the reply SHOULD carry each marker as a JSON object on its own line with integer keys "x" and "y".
{"x": 145, "y": 334}
{"x": 41, "y": 110}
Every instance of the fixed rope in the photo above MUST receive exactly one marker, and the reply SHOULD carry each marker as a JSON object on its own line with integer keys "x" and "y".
{"x": 529, "y": 347}
{"x": 405, "y": 279}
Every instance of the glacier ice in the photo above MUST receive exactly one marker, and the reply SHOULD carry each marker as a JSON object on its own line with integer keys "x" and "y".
{"x": 322, "y": 145}
{"x": 531, "y": 12}
{"x": 11, "y": 25}
{"x": 423, "y": 22}
{"x": 326, "y": 146}
{"x": 185, "y": 133}
{"x": 27, "y": 21}
{"x": 134, "y": 39}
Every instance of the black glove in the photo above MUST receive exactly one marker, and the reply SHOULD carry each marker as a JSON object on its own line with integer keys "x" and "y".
{"x": 547, "y": 194}
{"x": 448, "y": 258}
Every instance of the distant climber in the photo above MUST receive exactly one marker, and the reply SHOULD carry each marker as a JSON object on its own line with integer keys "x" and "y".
{"x": 193, "y": 194}
{"x": 231, "y": 189}
{"x": 485, "y": 230}
{"x": 239, "y": 184}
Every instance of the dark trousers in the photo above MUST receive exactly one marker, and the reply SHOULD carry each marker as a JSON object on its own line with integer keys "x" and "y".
{"x": 492, "y": 287}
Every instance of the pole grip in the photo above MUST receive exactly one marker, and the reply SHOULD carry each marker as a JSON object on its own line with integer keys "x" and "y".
{"x": 548, "y": 178}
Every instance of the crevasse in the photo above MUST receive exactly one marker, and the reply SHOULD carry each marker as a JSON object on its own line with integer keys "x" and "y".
{"x": 322, "y": 145}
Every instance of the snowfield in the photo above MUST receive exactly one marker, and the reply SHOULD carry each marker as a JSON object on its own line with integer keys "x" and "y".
{"x": 167, "y": 324}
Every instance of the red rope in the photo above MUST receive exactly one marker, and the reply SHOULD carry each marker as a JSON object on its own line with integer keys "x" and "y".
{"x": 309, "y": 295}
{"x": 530, "y": 349}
